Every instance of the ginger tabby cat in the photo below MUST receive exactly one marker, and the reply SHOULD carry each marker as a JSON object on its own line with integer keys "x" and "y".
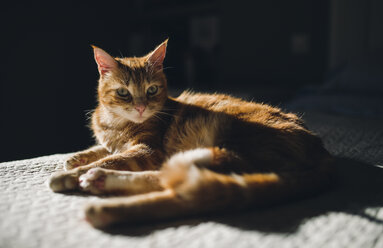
{"x": 192, "y": 154}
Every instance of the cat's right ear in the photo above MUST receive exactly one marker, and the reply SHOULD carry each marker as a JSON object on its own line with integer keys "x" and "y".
{"x": 105, "y": 62}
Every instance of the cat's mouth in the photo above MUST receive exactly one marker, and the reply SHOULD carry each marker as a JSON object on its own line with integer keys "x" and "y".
{"x": 141, "y": 117}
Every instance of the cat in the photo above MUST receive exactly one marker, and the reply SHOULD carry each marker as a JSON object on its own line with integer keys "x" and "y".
{"x": 194, "y": 154}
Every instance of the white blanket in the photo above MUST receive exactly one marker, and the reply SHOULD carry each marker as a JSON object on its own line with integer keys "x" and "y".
{"x": 350, "y": 216}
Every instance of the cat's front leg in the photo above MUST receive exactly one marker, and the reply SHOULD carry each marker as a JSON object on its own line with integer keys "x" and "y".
{"x": 85, "y": 157}
{"x": 137, "y": 158}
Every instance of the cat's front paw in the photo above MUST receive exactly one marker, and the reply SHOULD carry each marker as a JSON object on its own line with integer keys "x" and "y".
{"x": 75, "y": 161}
{"x": 63, "y": 181}
{"x": 93, "y": 181}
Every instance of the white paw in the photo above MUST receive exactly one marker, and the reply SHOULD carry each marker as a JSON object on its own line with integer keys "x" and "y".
{"x": 63, "y": 181}
{"x": 98, "y": 216}
{"x": 75, "y": 161}
{"x": 93, "y": 181}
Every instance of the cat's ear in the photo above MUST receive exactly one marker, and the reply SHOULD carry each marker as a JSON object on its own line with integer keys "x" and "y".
{"x": 156, "y": 58}
{"x": 105, "y": 62}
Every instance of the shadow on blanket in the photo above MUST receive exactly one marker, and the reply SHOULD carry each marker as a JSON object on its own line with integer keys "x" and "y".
{"x": 360, "y": 186}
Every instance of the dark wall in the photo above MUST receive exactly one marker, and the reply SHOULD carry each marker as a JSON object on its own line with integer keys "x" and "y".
{"x": 275, "y": 42}
{"x": 356, "y": 30}
{"x": 48, "y": 77}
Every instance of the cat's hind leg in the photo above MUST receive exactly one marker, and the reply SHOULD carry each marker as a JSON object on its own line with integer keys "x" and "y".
{"x": 191, "y": 189}
{"x": 135, "y": 209}
{"x": 104, "y": 181}
{"x": 179, "y": 177}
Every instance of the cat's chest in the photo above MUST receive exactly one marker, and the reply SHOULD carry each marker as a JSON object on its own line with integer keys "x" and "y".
{"x": 113, "y": 140}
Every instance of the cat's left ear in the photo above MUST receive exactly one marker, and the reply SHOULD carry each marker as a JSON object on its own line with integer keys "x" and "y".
{"x": 156, "y": 58}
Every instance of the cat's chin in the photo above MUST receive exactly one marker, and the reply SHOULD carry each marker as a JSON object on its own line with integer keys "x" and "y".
{"x": 138, "y": 120}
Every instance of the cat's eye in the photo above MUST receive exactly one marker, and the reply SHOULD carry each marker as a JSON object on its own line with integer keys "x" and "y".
{"x": 123, "y": 92}
{"x": 152, "y": 90}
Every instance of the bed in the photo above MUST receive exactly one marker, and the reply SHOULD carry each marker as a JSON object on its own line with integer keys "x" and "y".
{"x": 350, "y": 215}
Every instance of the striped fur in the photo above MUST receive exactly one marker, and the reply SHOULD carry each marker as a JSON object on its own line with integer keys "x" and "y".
{"x": 191, "y": 154}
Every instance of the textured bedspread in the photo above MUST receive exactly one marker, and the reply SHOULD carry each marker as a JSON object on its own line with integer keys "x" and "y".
{"x": 349, "y": 216}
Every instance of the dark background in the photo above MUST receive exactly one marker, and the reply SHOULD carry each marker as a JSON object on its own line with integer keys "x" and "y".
{"x": 262, "y": 50}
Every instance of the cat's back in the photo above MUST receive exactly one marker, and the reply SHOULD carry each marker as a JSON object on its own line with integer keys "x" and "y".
{"x": 237, "y": 108}
{"x": 206, "y": 120}
{"x": 213, "y": 102}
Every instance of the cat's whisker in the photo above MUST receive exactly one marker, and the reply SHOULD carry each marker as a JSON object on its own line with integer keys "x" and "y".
{"x": 164, "y": 113}
{"x": 165, "y": 68}
{"x": 167, "y": 109}
{"x": 169, "y": 67}
{"x": 160, "y": 71}
{"x": 89, "y": 113}
{"x": 159, "y": 118}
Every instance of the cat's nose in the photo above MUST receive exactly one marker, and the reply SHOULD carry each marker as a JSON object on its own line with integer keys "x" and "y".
{"x": 140, "y": 108}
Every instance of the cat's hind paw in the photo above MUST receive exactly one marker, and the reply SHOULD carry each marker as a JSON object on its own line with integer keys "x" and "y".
{"x": 93, "y": 181}
{"x": 98, "y": 216}
{"x": 63, "y": 181}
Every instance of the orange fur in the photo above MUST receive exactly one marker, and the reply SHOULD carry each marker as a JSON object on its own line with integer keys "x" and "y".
{"x": 215, "y": 151}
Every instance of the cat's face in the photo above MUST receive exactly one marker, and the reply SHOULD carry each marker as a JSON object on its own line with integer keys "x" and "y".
{"x": 132, "y": 88}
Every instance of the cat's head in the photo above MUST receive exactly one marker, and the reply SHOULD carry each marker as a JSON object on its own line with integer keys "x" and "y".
{"x": 132, "y": 88}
